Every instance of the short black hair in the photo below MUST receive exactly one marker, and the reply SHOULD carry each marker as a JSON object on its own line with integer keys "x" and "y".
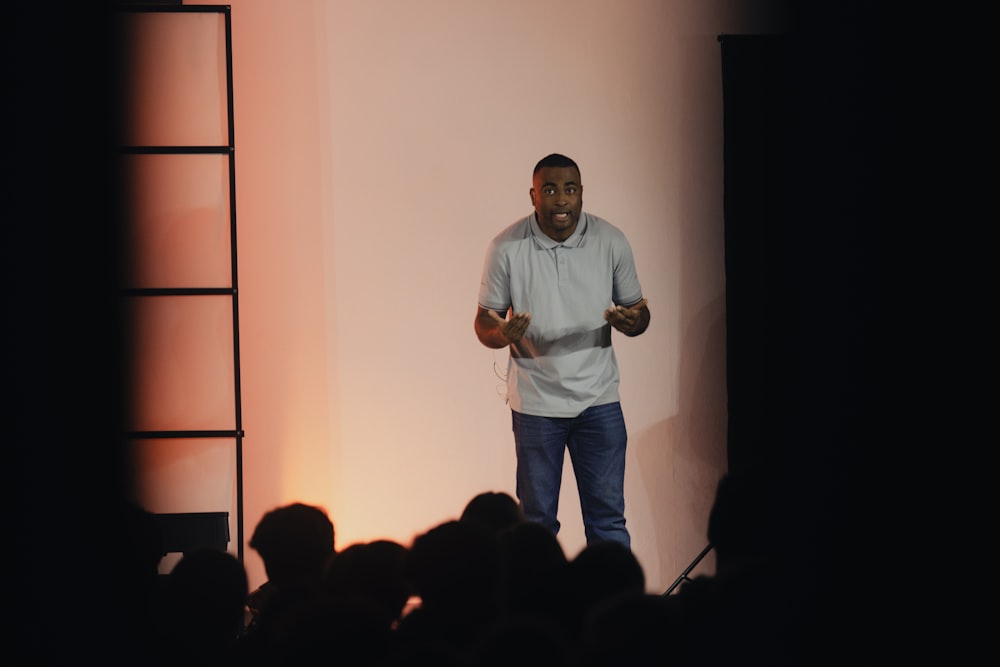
{"x": 555, "y": 160}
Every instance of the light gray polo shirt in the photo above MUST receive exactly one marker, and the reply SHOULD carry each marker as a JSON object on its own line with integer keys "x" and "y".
{"x": 564, "y": 363}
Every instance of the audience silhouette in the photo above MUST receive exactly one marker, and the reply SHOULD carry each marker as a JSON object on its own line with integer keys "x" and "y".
{"x": 630, "y": 629}
{"x": 537, "y": 573}
{"x": 371, "y": 573}
{"x": 601, "y": 573}
{"x": 455, "y": 569}
{"x": 295, "y": 543}
{"x": 604, "y": 570}
{"x": 524, "y": 641}
{"x": 487, "y": 589}
{"x": 140, "y": 581}
{"x": 201, "y": 610}
{"x": 494, "y": 511}
{"x": 743, "y": 601}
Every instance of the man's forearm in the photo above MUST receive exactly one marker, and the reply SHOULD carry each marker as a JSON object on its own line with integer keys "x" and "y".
{"x": 489, "y": 332}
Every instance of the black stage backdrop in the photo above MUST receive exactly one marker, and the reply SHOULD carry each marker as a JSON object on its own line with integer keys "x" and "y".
{"x": 801, "y": 127}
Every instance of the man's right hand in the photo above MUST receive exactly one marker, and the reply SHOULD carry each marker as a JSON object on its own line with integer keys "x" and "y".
{"x": 513, "y": 328}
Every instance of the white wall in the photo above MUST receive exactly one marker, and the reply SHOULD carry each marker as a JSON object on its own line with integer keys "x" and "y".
{"x": 379, "y": 146}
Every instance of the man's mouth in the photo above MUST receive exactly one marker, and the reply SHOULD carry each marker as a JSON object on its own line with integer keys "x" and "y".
{"x": 561, "y": 216}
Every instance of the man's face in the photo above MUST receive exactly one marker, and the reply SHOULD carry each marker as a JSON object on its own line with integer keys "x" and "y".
{"x": 558, "y": 198}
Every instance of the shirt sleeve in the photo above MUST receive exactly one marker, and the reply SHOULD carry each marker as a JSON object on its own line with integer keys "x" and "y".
{"x": 626, "y": 289}
{"x": 494, "y": 288}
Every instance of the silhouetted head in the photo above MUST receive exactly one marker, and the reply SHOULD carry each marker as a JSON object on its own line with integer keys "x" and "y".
{"x": 294, "y": 541}
{"x": 203, "y": 603}
{"x": 493, "y": 510}
{"x": 537, "y": 569}
{"x": 456, "y": 565}
{"x": 371, "y": 571}
{"x": 606, "y": 569}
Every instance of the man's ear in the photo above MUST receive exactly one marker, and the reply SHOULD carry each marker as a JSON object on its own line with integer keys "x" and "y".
{"x": 531, "y": 193}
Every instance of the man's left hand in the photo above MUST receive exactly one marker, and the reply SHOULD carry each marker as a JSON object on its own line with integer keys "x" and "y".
{"x": 626, "y": 319}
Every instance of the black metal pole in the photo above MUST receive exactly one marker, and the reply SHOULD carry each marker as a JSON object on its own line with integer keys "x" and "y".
{"x": 684, "y": 575}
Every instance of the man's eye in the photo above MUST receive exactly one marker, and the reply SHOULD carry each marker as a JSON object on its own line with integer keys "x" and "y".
{"x": 549, "y": 191}
{"x": 570, "y": 191}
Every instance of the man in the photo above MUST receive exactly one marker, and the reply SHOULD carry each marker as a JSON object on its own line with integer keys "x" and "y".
{"x": 566, "y": 277}
{"x": 295, "y": 541}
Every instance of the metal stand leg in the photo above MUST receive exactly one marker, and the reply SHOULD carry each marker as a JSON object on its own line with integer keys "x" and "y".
{"x": 684, "y": 575}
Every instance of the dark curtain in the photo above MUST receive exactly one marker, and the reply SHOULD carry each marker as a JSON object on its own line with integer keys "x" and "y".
{"x": 802, "y": 129}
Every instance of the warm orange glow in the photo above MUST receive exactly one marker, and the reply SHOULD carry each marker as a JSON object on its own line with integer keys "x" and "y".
{"x": 183, "y": 366}
{"x": 179, "y": 214}
{"x": 180, "y": 220}
{"x": 177, "y": 84}
{"x": 373, "y": 164}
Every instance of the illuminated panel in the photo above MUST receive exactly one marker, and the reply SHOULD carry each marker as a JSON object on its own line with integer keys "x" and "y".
{"x": 176, "y": 79}
{"x": 182, "y": 370}
{"x": 180, "y": 220}
{"x": 186, "y": 475}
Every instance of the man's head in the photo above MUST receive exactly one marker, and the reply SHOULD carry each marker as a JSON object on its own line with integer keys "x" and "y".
{"x": 557, "y": 195}
{"x": 294, "y": 541}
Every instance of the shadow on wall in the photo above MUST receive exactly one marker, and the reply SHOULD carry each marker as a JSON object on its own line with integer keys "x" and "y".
{"x": 682, "y": 459}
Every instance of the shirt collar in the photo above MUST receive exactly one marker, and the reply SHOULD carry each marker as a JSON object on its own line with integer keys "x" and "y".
{"x": 574, "y": 241}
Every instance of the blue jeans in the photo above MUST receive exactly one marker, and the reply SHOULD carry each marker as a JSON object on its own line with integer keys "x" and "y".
{"x": 596, "y": 441}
